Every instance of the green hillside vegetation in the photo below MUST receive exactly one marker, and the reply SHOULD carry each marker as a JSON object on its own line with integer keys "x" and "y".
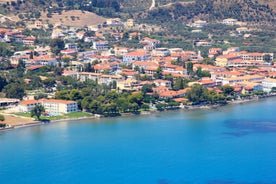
{"x": 242, "y": 10}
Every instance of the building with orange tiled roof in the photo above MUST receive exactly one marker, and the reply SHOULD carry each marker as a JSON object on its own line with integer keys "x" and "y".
{"x": 138, "y": 55}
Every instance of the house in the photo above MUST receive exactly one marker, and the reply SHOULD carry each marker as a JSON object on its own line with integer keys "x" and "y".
{"x": 199, "y": 23}
{"x": 102, "y": 79}
{"x": 128, "y": 84}
{"x": 150, "y": 43}
{"x": 214, "y": 52}
{"x": 162, "y": 52}
{"x": 100, "y": 45}
{"x": 130, "y": 23}
{"x": 134, "y": 35}
{"x": 208, "y": 82}
{"x": 268, "y": 84}
{"x": 230, "y": 21}
{"x": 244, "y": 63}
{"x": 80, "y": 35}
{"x": 43, "y": 60}
{"x": 114, "y": 22}
{"x": 147, "y": 66}
{"x": 174, "y": 69}
{"x": 256, "y": 56}
{"x": 27, "y": 105}
{"x": 57, "y": 33}
{"x": 165, "y": 83}
{"x": 223, "y": 60}
{"x": 202, "y": 43}
{"x": 109, "y": 67}
{"x": 120, "y": 51}
{"x": 249, "y": 78}
{"x": 29, "y": 41}
{"x": 138, "y": 55}
{"x": 6, "y": 102}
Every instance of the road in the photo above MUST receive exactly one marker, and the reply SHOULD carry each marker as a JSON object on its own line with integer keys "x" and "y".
{"x": 152, "y": 5}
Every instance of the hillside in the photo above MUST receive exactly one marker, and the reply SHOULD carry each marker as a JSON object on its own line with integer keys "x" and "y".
{"x": 260, "y": 11}
{"x": 243, "y": 10}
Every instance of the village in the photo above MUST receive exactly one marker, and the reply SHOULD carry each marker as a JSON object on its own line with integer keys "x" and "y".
{"x": 165, "y": 78}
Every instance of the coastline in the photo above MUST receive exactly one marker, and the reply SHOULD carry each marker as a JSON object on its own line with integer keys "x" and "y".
{"x": 185, "y": 107}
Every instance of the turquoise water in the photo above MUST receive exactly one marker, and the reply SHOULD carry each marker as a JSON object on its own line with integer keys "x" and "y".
{"x": 232, "y": 144}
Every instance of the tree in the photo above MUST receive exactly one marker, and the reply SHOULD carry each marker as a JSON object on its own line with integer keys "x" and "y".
{"x": 190, "y": 68}
{"x": 56, "y": 45}
{"x": 158, "y": 73}
{"x": 202, "y": 73}
{"x": 197, "y": 94}
{"x": 179, "y": 84}
{"x": 20, "y": 68}
{"x": 267, "y": 58}
{"x": 2, "y": 118}
{"x": 15, "y": 90}
{"x": 227, "y": 90}
{"x": 147, "y": 88}
{"x": 37, "y": 111}
{"x": 3, "y": 83}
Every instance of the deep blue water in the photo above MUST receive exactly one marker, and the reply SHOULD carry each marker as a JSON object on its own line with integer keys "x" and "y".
{"x": 232, "y": 144}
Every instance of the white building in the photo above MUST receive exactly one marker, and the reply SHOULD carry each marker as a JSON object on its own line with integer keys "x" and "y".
{"x": 51, "y": 106}
{"x": 101, "y": 45}
{"x": 268, "y": 84}
{"x": 230, "y": 21}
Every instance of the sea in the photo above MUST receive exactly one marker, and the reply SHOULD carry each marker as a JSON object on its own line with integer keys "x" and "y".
{"x": 227, "y": 145}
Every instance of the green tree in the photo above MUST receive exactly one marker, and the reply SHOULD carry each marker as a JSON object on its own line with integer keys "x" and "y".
{"x": 179, "y": 84}
{"x": 202, "y": 73}
{"x": 190, "y": 68}
{"x": 267, "y": 58}
{"x": 2, "y": 118}
{"x": 56, "y": 45}
{"x": 15, "y": 90}
{"x": 197, "y": 94}
{"x": 158, "y": 73}
{"x": 147, "y": 88}
{"x": 37, "y": 111}
{"x": 227, "y": 90}
{"x": 3, "y": 83}
{"x": 20, "y": 68}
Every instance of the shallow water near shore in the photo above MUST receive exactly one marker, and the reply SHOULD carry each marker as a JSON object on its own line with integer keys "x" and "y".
{"x": 230, "y": 144}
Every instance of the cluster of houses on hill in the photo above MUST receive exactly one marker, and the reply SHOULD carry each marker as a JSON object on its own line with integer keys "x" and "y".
{"x": 245, "y": 71}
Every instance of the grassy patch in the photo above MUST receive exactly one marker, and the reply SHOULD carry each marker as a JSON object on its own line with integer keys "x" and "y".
{"x": 64, "y": 116}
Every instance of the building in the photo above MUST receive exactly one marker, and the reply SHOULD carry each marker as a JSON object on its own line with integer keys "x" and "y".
{"x": 246, "y": 78}
{"x": 199, "y": 23}
{"x": 161, "y": 52}
{"x": 138, "y": 55}
{"x": 202, "y": 43}
{"x": 130, "y": 23}
{"x": 101, "y": 45}
{"x": 52, "y": 106}
{"x": 268, "y": 84}
{"x": 27, "y": 105}
{"x": 29, "y": 41}
{"x": 114, "y": 22}
{"x": 230, "y": 22}
{"x": 223, "y": 60}
{"x": 165, "y": 83}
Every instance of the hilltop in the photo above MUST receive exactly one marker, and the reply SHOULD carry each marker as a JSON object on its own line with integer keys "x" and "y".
{"x": 261, "y": 11}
